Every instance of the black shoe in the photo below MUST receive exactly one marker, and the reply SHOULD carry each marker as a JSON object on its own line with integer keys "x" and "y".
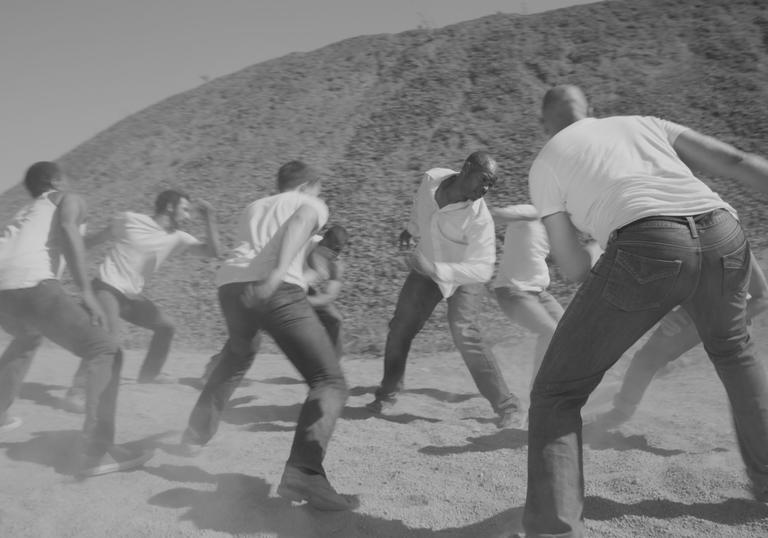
{"x": 380, "y": 406}
{"x": 117, "y": 458}
{"x": 315, "y": 489}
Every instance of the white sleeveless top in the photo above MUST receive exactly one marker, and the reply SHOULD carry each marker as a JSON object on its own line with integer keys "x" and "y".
{"x": 30, "y": 250}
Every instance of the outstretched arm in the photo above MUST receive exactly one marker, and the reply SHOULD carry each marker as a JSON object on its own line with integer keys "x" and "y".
{"x": 717, "y": 158}
{"x": 513, "y": 213}
{"x": 212, "y": 246}
{"x": 332, "y": 288}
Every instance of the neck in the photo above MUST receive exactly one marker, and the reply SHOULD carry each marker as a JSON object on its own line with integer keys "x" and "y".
{"x": 164, "y": 221}
{"x": 446, "y": 192}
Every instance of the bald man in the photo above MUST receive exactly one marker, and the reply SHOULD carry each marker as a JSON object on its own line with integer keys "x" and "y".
{"x": 454, "y": 257}
{"x": 629, "y": 182}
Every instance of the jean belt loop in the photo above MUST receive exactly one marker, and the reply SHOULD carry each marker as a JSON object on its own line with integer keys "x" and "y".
{"x": 692, "y": 227}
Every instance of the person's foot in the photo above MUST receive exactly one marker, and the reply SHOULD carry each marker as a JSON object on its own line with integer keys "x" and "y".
{"x": 298, "y": 486}
{"x": 118, "y": 458}
{"x": 9, "y": 423}
{"x": 380, "y": 406}
{"x": 511, "y": 417}
{"x": 159, "y": 379}
{"x": 74, "y": 401}
{"x": 189, "y": 446}
{"x": 609, "y": 420}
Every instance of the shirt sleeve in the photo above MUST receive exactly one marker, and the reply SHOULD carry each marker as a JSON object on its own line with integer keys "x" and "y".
{"x": 480, "y": 256}
{"x": 545, "y": 189}
{"x": 319, "y": 206}
{"x": 671, "y": 129}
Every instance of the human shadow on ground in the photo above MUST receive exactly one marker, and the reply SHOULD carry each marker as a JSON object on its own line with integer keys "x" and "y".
{"x": 242, "y": 505}
{"x": 508, "y": 438}
{"x": 281, "y": 380}
{"x": 600, "y": 439}
{"x": 40, "y": 393}
{"x": 197, "y": 383}
{"x": 62, "y": 450}
{"x": 437, "y": 394}
{"x": 727, "y": 512}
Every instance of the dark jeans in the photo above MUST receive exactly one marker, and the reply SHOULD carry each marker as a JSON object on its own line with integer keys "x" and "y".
{"x": 418, "y": 298}
{"x": 48, "y": 311}
{"x": 294, "y": 326}
{"x": 648, "y": 268}
{"x": 331, "y": 319}
{"x": 659, "y": 350}
{"x": 138, "y": 311}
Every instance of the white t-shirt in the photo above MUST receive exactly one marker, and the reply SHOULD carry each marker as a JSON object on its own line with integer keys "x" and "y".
{"x": 30, "y": 247}
{"x": 459, "y": 238}
{"x": 259, "y": 234}
{"x": 140, "y": 246}
{"x": 523, "y": 263}
{"x": 609, "y": 172}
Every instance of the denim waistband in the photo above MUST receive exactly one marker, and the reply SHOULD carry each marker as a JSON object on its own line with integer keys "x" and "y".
{"x": 690, "y": 221}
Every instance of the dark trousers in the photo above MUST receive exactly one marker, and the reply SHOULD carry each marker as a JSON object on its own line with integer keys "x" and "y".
{"x": 139, "y": 311}
{"x": 293, "y": 324}
{"x": 418, "y": 298}
{"x": 48, "y": 311}
{"x": 648, "y": 268}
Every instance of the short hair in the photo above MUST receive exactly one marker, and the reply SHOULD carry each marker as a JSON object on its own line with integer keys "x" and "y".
{"x": 295, "y": 173}
{"x": 40, "y": 177}
{"x": 170, "y": 196}
{"x": 564, "y": 93}
{"x": 484, "y": 162}
{"x": 335, "y": 238}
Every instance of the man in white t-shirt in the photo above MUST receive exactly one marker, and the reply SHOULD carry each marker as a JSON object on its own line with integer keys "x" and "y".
{"x": 453, "y": 259}
{"x": 262, "y": 287}
{"x": 628, "y": 181}
{"x": 523, "y": 276}
{"x": 140, "y": 244}
{"x": 34, "y": 305}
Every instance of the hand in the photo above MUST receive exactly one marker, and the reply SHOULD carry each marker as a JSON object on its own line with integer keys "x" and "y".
{"x": 260, "y": 292}
{"x": 674, "y": 322}
{"x": 92, "y": 305}
{"x": 405, "y": 241}
{"x": 205, "y": 207}
{"x": 419, "y": 263}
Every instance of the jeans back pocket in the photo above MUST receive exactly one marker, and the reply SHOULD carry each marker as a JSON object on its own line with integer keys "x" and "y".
{"x": 638, "y": 282}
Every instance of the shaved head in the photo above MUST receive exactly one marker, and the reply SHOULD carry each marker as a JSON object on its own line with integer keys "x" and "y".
{"x": 563, "y": 105}
{"x": 482, "y": 161}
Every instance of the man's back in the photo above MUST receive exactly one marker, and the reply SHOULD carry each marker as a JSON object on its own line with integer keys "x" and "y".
{"x": 611, "y": 171}
{"x": 30, "y": 249}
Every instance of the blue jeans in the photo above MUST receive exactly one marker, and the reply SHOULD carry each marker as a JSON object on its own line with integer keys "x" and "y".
{"x": 139, "y": 311}
{"x": 294, "y": 326}
{"x": 48, "y": 311}
{"x": 648, "y": 268}
{"x": 418, "y": 298}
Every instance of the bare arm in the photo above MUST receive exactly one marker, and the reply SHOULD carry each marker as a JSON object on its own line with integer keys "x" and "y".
{"x": 212, "y": 246}
{"x": 574, "y": 258}
{"x": 514, "y": 213}
{"x": 332, "y": 288}
{"x": 298, "y": 230}
{"x": 72, "y": 212}
{"x": 714, "y": 157}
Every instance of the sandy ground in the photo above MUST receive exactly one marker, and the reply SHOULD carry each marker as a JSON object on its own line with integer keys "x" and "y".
{"x": 437, "y": 467}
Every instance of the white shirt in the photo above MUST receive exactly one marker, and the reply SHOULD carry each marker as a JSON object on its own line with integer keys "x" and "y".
{"x": 260, "y": 232}
{"x": 140, "y": 246}
{"x": 609, "y": 172}
{"x": 523, "y": 263}
{"x": 459, "y": 238}
{"x": 30, "y": 249}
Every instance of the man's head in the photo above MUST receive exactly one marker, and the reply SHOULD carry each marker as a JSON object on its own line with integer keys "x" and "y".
{"x": 42, "y": 177}
{"x": 298, "y": 176}
{"x": 175, "y": 205}
{"x": 335, "y": 239}
{"x": 563, "y": 105}
{"x": 477, "y": 175}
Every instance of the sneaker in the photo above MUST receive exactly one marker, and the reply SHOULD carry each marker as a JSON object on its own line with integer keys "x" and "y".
{"x": 159, "y": 379}
{"x": 117, "y": 458}
{"x": 315, "y": 489}
{"x": 379, "y": 406}
{"x": 511, "y": 417}
{"x": 9, "y": 423}
{"x": 610, "y": 419}
{"x": 74, "y": 401}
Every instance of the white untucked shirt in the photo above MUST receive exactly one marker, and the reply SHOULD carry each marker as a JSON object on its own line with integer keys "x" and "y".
{"x": 141, "y": 245}
{"x": 260, "y": 232}
{"x": 523, "y": 265}
{"x": 611, "y": 171}
{"x": 459, "y": 238}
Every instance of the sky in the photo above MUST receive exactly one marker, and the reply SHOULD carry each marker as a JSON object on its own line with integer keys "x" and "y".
{"x": 71, "y": 68}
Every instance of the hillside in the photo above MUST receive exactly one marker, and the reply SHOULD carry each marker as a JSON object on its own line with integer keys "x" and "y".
{"x": 375, "y": 111}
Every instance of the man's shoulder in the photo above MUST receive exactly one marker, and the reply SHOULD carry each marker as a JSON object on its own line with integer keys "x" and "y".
{"x": 438, "y": 174}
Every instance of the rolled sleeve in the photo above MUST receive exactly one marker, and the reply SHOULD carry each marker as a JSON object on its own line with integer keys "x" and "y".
{"x": 545, "y": 191}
